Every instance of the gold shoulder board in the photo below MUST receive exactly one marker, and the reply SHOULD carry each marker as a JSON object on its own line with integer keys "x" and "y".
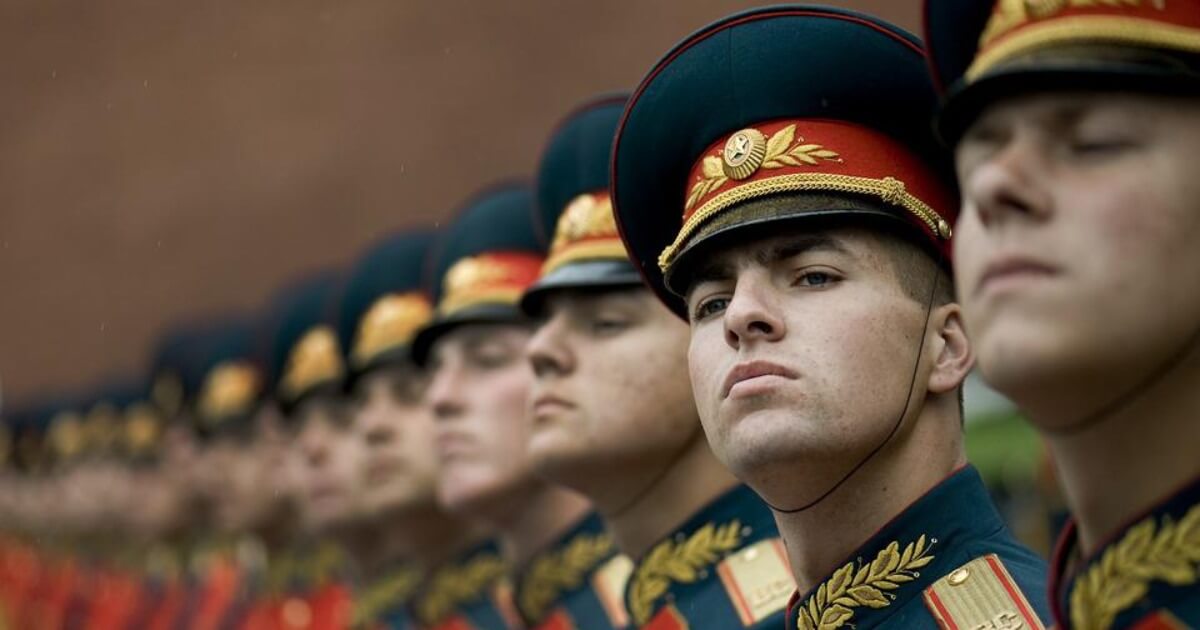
{"x": 980, "y": 594}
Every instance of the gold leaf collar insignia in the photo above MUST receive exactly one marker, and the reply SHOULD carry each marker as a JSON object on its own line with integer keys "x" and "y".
{"x": 683, "y": 561}
{"x": 455, "y": 584}
{"x": 555, "y": 572}
{"x": 1150, "y": 551}
{"x": 858, "y": 585}
{"x": 390, "y": 592}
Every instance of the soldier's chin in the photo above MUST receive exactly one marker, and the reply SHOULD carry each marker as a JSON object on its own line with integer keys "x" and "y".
{"x": 762, "y": 442}
{"x": 399, "y": 498}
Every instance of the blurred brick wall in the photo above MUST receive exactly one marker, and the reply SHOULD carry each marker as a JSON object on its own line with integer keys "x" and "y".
{"x": 166, "y": 159}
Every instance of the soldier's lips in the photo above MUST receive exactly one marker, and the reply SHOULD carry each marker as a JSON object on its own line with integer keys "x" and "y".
{"x": 1010, "y": 271}
{"x": 383, "y": 469}
{"x": 453, "y": 444}
{"x": 324, "y": 492}
{"x": 752, "y": 377}
{"x": 547, "y": 406}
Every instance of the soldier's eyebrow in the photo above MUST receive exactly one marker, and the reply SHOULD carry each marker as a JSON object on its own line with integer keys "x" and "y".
{"x": 724, "y": 269}
{"x": 782, "y": 250}
{"x": 721, "y": 270}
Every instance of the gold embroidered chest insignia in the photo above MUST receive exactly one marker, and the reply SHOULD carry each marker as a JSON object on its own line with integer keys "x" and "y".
{"x": 1149, "y": 551}
{"x": 683, "y": 561}
{"x": 857, "y": 585}
{"x": 554, "y": 572}
{"x": 453, "y": 585}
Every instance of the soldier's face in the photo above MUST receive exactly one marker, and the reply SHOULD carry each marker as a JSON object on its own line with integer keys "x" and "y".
{"x": 327, "y": 463}
{"x": 1076, "y": 253}
{"x": 478, "y": 390}
{"x": 611, "y": 388}
{"x": 801, "y": 355}
{"x": 396, "y": 426}
{"x": 238, "y": 492}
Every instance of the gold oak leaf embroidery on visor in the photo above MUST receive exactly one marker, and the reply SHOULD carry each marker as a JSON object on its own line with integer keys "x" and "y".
{"x": 784, "y": 148}
{"x": 833, "y": 604}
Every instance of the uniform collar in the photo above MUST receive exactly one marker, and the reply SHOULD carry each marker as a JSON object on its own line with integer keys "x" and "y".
{"x": 1140, "y": 569}
{"x": 735, "y": 520}
{"x": 463, "y": 581}
{"x": 562, "y": 568}
{"x": 390, "y": 591}
{"x": 908, "y": 554}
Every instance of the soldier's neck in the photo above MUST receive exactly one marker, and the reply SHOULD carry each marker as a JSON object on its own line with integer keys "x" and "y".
{"x": 825, "y": 536}
{"x": 424, "y": 536}
{"x": 541, "y": 515}
{"x": 1124, "y": 464}
{"x": 673, "y": 496}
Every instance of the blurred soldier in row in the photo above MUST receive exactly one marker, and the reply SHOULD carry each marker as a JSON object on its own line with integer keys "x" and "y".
{"x": 614, "y": 415}
{"x": 406, "y": 536}
{"x": 479, "y": 384}
{"x": 1076, "y": 130}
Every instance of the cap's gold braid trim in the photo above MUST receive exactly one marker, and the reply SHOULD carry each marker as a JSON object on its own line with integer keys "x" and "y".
{"x": 1083, "y": 28}
{"x": 606, "y": 249}
{"x": 453, "y": 304}
{"x": 889, "y": 189}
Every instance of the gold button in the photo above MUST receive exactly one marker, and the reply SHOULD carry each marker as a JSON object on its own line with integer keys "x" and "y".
{"x": 959, "y": 576}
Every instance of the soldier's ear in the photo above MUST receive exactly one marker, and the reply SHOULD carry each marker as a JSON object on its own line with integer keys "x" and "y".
{"x": 953, "y": 356}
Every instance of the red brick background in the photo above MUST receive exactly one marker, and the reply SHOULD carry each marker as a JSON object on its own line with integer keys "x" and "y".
{"x": 160, "y": 159}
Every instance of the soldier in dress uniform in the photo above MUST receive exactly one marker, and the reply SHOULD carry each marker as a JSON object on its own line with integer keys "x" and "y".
{"x": 307, "y": 375}
{"x": 614, "y": 415}
{"x": 1076, "y": 130}
{"x": 404, "y": 533}
{"x": 246, "y": 516}
{"x": 776, "y": 180}
{"x": 474, "y": 349}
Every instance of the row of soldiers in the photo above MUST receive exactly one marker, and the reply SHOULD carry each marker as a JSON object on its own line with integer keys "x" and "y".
{"x": 706, "y": 371}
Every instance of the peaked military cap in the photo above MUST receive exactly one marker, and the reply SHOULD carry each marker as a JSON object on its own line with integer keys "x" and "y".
{"x": 385, "y": 302}
{"x": 305, "y": 356}
{"x": 125, "y": 422}
{"x": 229, "y": 379}
{"x": 771, "y": 102}
{"x": 574, "y": 206}
{"x": 118, "y": 419}
{"x": 981, "y": 50}
{"x": 29, "y": 430}
{"x": 482, "y": 263}
{"x": 173, "y": 365}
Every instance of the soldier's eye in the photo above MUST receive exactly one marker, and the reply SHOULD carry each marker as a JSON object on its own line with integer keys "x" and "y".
{"x": 814, "y": 279}
{"x": 1097, "y": 146}
{"x": 608, "y": 325}
{"x": 709, "y": 307}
